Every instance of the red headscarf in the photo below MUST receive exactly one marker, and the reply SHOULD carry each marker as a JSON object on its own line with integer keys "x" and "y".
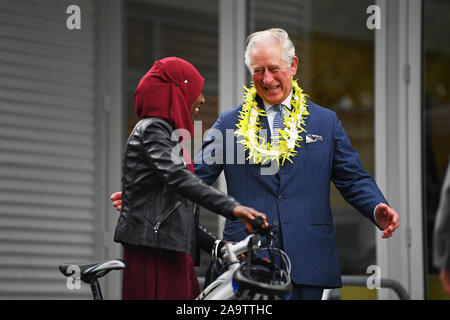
{"x": 167, "y": 91}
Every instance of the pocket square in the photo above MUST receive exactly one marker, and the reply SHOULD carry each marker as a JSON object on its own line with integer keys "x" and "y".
{"x": 313, "y": 138}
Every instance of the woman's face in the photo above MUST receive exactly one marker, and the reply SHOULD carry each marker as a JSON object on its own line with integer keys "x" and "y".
{"x": 196, "y": 106}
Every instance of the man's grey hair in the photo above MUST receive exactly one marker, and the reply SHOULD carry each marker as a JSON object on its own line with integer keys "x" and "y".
{"x": 272, "y": 35}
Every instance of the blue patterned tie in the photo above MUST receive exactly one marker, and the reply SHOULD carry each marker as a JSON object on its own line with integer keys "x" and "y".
{"x": 278, "y": 122}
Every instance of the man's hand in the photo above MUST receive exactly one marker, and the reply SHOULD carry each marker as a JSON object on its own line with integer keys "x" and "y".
{"x": 247, "y": 214}
{"x": 116, "y": 198}
{"x": 387, "y": 219}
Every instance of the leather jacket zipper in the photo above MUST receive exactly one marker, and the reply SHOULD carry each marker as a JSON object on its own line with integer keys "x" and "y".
{"x": 166, "y": 215}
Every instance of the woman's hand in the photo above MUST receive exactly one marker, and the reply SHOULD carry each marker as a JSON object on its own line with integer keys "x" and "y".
{"x": 116, "y": 198}
{"x": 247, "y": 214}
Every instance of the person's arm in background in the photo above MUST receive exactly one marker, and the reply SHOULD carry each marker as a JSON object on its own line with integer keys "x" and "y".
{"x": 441, "y": 234}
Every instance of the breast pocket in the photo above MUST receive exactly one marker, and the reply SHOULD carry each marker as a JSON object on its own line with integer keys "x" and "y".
{"x": 317, "y": 155}
{"x": 315, "y": 144}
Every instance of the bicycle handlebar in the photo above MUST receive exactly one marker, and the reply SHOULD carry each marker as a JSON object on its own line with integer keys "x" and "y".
{"x": 222, "y": 287}
{"x": 257, "y": 225}
{"x": 230, "y": 251}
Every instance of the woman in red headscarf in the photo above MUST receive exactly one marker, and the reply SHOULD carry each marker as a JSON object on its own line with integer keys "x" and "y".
{"x": 158, "y": 223}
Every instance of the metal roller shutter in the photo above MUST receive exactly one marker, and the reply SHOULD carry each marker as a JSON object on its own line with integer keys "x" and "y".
{"x": 47, "y": 147}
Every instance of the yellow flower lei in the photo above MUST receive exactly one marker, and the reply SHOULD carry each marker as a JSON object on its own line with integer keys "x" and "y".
{"x": 249, "y": 126}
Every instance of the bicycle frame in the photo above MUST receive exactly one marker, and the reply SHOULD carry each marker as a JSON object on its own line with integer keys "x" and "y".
{"x": 222, "y": 287}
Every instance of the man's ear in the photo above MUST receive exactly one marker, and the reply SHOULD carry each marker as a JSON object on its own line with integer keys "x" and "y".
{"x": 294, "y": 66}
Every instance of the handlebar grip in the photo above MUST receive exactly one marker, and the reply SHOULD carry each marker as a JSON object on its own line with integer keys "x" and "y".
{"x": 257, "y": 224}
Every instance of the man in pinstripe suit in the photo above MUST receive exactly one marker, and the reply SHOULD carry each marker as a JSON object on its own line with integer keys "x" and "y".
{"x": 296, "y": 197}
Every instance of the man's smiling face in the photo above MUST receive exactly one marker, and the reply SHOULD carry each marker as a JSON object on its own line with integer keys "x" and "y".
{"x": 271, "y": 75}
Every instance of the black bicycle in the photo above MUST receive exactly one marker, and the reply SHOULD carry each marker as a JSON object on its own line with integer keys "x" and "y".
{"x": 263, "y": 274}
{"x": 90, "y": 273}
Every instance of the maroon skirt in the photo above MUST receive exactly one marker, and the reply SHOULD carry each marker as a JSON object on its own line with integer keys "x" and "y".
{"x": 158, "y": 274}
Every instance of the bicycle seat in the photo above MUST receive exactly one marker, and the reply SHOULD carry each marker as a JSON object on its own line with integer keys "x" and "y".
{"x": 90, "y": 271}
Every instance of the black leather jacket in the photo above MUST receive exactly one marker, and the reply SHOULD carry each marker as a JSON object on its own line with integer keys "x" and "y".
{"x": 160, "y": 196}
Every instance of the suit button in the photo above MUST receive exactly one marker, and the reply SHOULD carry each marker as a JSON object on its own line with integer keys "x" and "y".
{"x": 275, "y": 223}
{"x": 280, "y": 198}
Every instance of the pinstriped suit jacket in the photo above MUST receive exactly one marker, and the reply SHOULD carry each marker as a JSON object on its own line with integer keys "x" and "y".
{"x": 297, "y": 198}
